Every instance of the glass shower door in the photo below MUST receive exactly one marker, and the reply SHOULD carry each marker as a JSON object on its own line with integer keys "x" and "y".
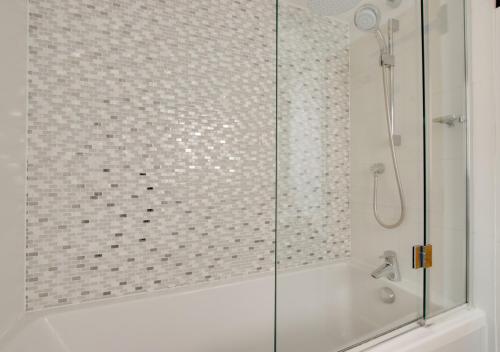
{"x": 350, "y": 162}
{"x": 446, "y": 153}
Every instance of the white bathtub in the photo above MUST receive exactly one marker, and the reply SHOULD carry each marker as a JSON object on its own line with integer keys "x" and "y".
{"x": 319, "y": 310}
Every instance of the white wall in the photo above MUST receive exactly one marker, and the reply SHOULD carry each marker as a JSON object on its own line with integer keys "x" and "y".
{"x": 483, "y": 158}
{"x": 369, "y": 145}
{"x": 13, "y": 35}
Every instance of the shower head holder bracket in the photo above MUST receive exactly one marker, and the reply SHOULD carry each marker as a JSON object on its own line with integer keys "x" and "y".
{"x": 387, "y": 60}
{"x": 377, "y": 169}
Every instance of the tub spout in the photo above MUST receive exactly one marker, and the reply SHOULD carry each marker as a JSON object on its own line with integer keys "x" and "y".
{"x": 382, "y": 271}
{"x": 389, "y": 269}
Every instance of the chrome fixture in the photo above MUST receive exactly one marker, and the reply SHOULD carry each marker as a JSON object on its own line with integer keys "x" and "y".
{"x": 390, "y": 268}
{"x": 377, "y": 169}
{"x": 450, "y": 120}
{"x": 387, "y": 295}
{"x": 367, "y": 18}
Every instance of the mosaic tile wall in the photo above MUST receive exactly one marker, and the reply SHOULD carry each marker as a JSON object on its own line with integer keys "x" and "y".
{"x": 313, "y": 129}
{"x": 151, "y": 131}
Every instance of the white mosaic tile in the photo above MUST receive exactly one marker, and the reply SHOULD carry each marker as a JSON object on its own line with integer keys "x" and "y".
{"x": 313, "y": 133}
{"x": 151, "y": 147}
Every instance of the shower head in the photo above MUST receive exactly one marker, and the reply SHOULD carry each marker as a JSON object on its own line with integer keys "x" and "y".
{"x": 332, "y": 7}
{"x": 367, "y": 18}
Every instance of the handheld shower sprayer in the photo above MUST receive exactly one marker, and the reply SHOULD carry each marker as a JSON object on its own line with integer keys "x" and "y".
{"x": 367, "y": 19}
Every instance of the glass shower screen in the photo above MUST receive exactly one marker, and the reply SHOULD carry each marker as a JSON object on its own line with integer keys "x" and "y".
{"x": 350, "y": 185}
{"x": 372, "y": 160}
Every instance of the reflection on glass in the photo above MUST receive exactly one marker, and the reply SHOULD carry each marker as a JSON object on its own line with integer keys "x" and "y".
{"x": 350, "y": 89}
{"x": 446, "y": 154}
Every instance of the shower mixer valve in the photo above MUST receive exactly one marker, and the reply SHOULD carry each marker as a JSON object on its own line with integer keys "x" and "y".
{"x": 389, "y": 269}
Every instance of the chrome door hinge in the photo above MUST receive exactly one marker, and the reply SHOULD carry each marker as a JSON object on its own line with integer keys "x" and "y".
{"x": 422, "y": 257}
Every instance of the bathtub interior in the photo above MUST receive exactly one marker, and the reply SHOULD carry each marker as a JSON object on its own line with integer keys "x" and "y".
{"x": 212, "y": 318}
{"x": 330, "y": 308}
{"x": 342, "y": 306}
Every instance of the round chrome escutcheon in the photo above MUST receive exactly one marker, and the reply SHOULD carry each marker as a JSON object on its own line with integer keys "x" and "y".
{"x": 387, "y": 295}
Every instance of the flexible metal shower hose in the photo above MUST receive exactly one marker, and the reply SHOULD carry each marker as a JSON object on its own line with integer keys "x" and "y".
{"x": 389, "y": 108}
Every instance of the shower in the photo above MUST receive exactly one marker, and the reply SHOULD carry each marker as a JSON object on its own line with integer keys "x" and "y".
{"x": 367, "y": 19}
{"x": 225, "y": 163}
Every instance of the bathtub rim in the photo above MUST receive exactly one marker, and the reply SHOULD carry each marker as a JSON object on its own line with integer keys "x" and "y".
{"x": 464, "y": 318}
